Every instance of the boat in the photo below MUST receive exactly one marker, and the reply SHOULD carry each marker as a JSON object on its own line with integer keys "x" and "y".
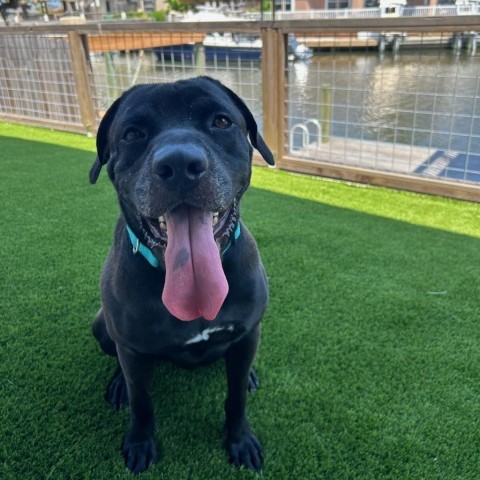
{"x": 226, "y": 46}
{"x": 223, "y": 47}
{"x": 298, "y": 50}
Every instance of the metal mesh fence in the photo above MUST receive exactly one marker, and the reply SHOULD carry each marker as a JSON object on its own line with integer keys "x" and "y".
{"x": 403, "y": 103}
{"x": 413, "y": 108}
{"x": 36, "y": 78}
{"x": 234, "y": 59}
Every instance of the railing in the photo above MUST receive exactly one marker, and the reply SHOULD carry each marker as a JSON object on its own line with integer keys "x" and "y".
{"x": 440, "y": 10}
{"x": 319, "y": 14}
{"x": 377, "y": 12}
{"x": 407, "y": 117}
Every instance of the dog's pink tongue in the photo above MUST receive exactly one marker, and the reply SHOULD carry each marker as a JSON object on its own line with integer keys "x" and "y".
{"x": 195, "y": 284}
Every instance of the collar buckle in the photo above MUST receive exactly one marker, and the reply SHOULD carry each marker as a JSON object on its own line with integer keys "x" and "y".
{"x": 138, "y": 247}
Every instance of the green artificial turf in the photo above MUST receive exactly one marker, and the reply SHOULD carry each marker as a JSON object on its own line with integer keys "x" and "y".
{"x": 370, "y": 355}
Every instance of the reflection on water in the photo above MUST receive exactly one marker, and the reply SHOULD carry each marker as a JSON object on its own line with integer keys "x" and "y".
{"x": 427, "y": 99}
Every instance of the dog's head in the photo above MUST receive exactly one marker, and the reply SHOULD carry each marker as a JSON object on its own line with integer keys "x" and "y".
{"x": 179, "y": 157}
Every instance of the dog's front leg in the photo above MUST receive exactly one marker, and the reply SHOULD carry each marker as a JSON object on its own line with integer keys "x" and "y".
{"x": 243, "y": 446}
{"x": 139, "y": 449}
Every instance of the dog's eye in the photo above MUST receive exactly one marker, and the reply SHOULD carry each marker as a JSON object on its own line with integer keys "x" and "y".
{"x": 132, "y": 134}
{"x": 222, "y": 121}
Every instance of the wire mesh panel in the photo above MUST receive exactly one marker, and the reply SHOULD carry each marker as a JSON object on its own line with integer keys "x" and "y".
{"x": 396, "y": 102}
{"x": 384, "y": 101}
{"x": 121, "y": 60}
{"x": 36, "y": 78}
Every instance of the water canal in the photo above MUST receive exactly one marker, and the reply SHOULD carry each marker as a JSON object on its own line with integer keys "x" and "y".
{"x": 426, "y": 98}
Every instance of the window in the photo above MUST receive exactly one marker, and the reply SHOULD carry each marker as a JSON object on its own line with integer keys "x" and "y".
{"x": 283, "y": 5}
{"x": 337, "y": 4}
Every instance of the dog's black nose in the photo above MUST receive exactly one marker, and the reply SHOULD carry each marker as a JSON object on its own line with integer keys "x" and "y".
{"x": 180, "y": 165}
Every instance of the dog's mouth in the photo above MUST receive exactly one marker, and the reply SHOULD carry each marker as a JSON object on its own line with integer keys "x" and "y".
{"x": 155, "y": 230}
{"x": 193, "y": 238}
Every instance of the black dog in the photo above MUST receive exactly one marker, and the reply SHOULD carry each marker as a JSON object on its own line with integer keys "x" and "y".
{"x": 183, "y": 280}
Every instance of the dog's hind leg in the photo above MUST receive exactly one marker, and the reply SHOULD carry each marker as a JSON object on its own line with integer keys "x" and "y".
{"x": 253, "y": 382}
{"x": 99, "y": 330}
{"x": 116, "y": 394}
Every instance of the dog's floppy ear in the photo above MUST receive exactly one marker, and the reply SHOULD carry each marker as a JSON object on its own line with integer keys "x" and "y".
{"x": 103, "y": 150}
{"x": 255, "y": 137}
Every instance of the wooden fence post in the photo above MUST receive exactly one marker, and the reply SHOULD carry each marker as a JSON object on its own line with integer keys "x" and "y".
{"x": 282, "y": 113}
{"x": 80, "y": 65}
{"x": 274, "y": 88}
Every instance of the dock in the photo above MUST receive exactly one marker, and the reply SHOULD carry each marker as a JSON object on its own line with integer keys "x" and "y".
{"x": 391, "y": 157}
{"x": 394, "y": 41}
{"x": 127, "y": 41}
{"x": 340, "y": 42}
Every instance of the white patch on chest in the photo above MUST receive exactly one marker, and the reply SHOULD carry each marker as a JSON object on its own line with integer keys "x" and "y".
{"x": 204, "y": 335}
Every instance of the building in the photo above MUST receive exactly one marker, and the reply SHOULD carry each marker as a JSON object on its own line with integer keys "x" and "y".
{"x": 303, "y": 5}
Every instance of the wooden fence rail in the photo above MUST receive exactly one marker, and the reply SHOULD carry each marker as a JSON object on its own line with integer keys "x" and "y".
{"x": 47, "y": 79}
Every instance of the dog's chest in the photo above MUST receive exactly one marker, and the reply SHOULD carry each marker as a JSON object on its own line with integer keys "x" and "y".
{"x": 219, "y": 333}
{"x": 204, "y": 346}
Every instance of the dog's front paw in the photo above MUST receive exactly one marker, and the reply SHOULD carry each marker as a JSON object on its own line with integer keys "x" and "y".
{"x": 139, "y": 455}
{"x": 248, "y": 452}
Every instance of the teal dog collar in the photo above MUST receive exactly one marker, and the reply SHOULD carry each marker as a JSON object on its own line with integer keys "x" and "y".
{"x": 147, "y": 254}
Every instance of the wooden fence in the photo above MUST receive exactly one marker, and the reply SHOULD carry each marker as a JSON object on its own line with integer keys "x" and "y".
{"x": 47, "y": 79}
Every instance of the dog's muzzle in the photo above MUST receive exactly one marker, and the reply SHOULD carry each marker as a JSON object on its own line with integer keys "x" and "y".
{"x": 180, "y": 166}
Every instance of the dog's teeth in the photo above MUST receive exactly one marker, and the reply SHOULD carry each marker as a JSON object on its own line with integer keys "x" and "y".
{"x": 215, "y": 218}
{"x": 162, "y": 223}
